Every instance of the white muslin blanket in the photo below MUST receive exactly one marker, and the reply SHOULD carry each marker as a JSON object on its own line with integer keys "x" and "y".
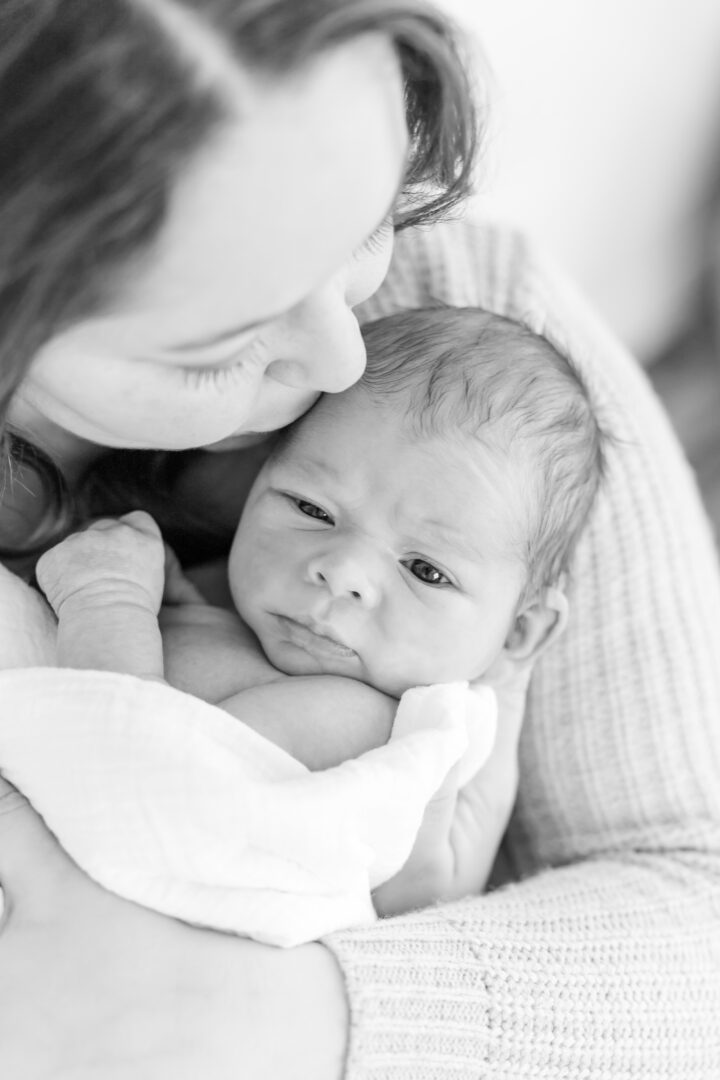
{"x": 174, "y": 804}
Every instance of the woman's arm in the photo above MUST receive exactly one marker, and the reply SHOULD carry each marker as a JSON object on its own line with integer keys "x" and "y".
{"x": 600, "y": 969}
{"x": 97, "y": 987}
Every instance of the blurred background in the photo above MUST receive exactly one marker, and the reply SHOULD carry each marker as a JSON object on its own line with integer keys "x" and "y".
{"x": 604, "y": 144}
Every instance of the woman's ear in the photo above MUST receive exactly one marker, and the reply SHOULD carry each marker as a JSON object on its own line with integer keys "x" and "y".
{"x": 536, "y": 625}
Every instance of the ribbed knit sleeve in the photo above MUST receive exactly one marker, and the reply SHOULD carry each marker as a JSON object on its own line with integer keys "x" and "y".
{"x": 603, "y": 961}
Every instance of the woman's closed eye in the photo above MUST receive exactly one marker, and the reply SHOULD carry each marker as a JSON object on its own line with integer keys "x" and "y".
{"x": 201, "y": 378}
{"x": 425, "y": 572}
{"x": 220, "y": 375}
{"x": 377, "y": 240}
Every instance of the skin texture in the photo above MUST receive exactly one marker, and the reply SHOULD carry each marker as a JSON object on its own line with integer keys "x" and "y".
{"x": 396, "y": 575}
{"x": 96, "y": 988}
{"x": 171, "y": 364}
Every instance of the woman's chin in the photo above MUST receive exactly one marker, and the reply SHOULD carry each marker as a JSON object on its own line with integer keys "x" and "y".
{"x": 262, "y": 429}
{"x": 237, "y": 442}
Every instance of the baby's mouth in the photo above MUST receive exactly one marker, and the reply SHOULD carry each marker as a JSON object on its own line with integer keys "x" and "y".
{"x": 314, "y": 637}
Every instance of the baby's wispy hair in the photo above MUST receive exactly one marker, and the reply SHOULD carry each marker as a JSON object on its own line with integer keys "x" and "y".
{"x": 465, "y": 372}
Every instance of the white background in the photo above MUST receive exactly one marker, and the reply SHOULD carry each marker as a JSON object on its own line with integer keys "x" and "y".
{"x": 605, "y": 144}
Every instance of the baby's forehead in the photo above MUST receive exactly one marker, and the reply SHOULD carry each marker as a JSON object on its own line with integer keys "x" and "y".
{"x": 359, "y": 420}
{"x": 359, "y": 443}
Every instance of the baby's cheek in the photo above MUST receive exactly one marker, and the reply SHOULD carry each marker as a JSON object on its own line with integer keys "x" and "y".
{"x": 391, "y": 666}
{"x": 249, "y": 584}
{"x": 240, "y": 575}
{"x": 417, "y": 659}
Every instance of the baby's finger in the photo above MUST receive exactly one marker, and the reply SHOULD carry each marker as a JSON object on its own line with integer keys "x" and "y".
{"x": 143, "y": 522}
{"x": 10, "y": 798}
{"x": 178, "y": 588}
{"x": 139, "y": 520}
{"x": 440, "y": 810}
{"x": 511, "y": 687}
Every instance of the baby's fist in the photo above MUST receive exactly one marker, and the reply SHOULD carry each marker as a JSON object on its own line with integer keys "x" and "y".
{"x": 112, "y": 561}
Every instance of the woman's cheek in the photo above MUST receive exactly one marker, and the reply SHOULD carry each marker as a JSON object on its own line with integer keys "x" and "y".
{"x": 250, "y": 567}
{"x": 167, "y": 413}
{"x": 273, "y": 561}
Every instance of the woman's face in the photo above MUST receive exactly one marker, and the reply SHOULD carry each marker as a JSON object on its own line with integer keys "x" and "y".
{"x": 241, "y": 313}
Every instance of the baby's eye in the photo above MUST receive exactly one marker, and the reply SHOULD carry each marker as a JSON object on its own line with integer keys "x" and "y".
{"x": 426, "y": 572}
{"x": 310, "y": 510}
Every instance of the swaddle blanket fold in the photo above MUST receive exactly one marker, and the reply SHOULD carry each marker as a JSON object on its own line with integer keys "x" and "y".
{"x": 176, "y": 805}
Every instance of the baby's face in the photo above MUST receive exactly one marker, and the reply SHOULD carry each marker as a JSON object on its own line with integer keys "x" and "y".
{"x": 367, "y": 552}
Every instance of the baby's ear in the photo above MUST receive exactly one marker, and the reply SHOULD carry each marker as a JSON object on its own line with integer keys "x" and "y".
{"x": 537, "y": 624}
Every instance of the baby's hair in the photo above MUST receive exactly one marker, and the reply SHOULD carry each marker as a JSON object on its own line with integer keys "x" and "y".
{"x": 105, "y": 102}
{"x": 466, "y": 372}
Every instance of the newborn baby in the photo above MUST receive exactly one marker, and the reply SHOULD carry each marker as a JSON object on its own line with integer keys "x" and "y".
{"x": 411, "y": 531}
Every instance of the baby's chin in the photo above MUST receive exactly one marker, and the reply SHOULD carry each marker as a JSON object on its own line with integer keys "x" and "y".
{"x": 294, "y": 652}
{"x": 294, "y": 661}
{"x": 290, "y": 657}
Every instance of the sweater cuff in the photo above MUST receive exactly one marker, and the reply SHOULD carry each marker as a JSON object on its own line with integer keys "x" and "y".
{"x": 418, "y": 999}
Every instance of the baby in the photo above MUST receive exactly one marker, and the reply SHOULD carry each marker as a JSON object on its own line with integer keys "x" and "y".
{"x": 413, "y": 530}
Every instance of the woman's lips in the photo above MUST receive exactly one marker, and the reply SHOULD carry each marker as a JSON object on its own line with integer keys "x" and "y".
{"x": 311, "y": 638}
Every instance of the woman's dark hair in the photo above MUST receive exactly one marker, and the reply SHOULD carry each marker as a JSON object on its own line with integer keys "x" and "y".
{"x": 101, "y": 106}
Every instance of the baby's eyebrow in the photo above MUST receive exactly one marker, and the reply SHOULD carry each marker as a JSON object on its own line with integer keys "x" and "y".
{"x": 322, "y": 468}
{"x": 445, "y": 533}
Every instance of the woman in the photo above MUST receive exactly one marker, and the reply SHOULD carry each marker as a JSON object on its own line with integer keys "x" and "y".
{"x": 110, "y": 334}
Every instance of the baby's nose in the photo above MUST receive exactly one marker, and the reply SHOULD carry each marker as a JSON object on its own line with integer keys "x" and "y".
{"x": 346, "y": 576}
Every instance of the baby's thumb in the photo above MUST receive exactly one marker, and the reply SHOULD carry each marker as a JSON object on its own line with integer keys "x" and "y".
{"x": 143, "y": 522}
{"x": 178, "y": 588}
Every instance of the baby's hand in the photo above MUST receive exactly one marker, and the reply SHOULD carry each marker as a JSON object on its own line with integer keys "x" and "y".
{"x": 111, "y": 562}
{"x": 465, "y": 821}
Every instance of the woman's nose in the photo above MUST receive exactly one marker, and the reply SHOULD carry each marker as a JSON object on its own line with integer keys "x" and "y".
{"x": 321, "y": 347}
{"x": 346, "y": 575}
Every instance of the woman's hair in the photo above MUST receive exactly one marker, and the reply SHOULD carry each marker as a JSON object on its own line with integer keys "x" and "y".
{"x": 101, "y": 105}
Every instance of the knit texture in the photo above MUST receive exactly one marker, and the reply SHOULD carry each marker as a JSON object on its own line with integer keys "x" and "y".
{"x": 603, "y": 961}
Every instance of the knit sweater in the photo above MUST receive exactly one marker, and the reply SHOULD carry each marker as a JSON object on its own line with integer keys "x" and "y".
{"x": 602, "y": 960}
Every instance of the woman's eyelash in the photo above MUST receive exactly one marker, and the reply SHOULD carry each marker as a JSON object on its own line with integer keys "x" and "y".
{"x": 219, "y": 375}
{"x": 199, "y": 377}
{"x": 375, "y": 243}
